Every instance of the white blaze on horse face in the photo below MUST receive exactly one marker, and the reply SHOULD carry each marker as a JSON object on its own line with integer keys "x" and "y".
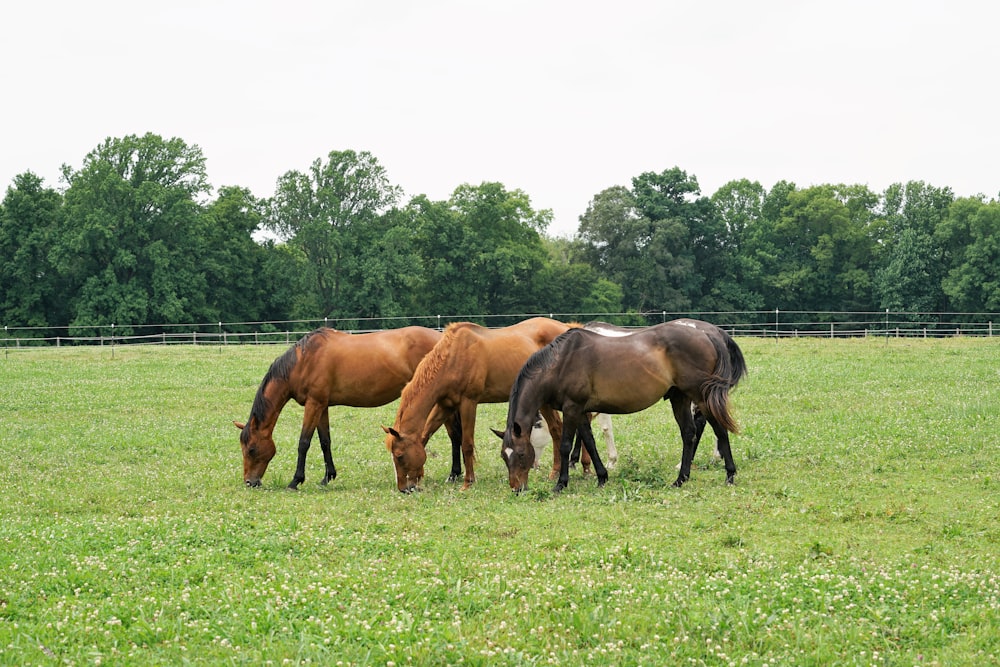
{"x": 509, "y": 452}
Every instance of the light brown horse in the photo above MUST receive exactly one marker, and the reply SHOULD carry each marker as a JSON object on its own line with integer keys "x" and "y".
{"x": 328, "y": 367}
{"x": 471, "y": 365}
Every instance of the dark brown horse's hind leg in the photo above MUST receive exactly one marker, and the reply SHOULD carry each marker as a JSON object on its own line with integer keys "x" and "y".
{"x": 722, "y": 435}
{"x": 682, "y": 415}
{"x": 324, "y": 443}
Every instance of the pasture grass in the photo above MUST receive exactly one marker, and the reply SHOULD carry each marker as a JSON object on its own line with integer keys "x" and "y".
{"x": 863, "y": 528}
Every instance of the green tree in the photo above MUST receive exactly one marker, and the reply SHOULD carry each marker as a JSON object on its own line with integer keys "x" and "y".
{"x": 233, "y": 262}
{"x": 970, "y": 238}
{"x": 658, "y": 240}
{"x": 504, "y": 244}
{"x": 325, "y": 213}
{"x": 910, "y": 268}
{"x": 734, "y": 283}
{"x": 817, "y": 254}
{"x": 566, "y": 284}
{"x": 31, "y": 292}
{"x": 131, "y": 235}
{"x": 445, "y": 248}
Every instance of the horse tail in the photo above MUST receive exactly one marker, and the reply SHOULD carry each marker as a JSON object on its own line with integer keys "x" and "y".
{"x": 730, "y": 367}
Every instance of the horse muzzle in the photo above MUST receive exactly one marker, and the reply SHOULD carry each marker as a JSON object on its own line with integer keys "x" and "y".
{"x": 253, "y": 483}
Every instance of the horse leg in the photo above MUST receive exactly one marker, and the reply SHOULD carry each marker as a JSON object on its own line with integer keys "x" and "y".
{"x": 699, "y": 428}
{"x": 574, "y": 456}
{"x": 454, "y": 428}
{"x": 580, "y": 453}
{"x": 324, "y": 443}
{"x": 555, "y": 424}
{"x": 682, "y": 415}
{"x": 586, "y": 434}
{"x": 604, "y": 421}
{"x": 722, "y": 443}
{"x": 569, "y": 429}
{"x": 310, "y": 421}
{"x": 467, "y": 412}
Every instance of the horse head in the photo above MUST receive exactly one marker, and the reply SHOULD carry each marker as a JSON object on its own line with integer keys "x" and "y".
{"x": 408, "y": 457}
{"x": 258, "y": 450}
{"x": 518, "y": 454}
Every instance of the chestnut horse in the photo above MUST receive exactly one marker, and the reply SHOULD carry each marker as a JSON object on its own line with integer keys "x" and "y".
{"x": 583, "y": 371}
{"x": 471, "y": 365}
{"x": 328, "y": 367}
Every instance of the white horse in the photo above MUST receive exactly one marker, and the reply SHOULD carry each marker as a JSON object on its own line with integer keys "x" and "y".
{"x": 540, "y": 438}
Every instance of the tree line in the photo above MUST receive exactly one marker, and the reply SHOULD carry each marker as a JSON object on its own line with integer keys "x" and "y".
{"x": 137, "y": 236}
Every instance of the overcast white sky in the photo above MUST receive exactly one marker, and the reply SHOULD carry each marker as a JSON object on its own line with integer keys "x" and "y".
{"x": 559, "y": 99}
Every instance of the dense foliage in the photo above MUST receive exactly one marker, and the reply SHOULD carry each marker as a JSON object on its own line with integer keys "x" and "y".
{"x": 137, "y": 236}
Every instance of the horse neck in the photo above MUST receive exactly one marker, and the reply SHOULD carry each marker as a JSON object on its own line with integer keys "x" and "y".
{"x": 277, "y": 393}
{"x": 523, "y": 412}
{"x": 415, "y": 407}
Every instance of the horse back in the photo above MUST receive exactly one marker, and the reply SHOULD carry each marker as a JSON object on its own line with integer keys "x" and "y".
{"x": 360, "y": 370}
{"x": 484, "y": 363}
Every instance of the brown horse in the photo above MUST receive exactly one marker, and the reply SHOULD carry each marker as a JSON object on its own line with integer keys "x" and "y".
{"x": 471, "y": 365}
{"x": 583, "y": 371}
{"x": 328, "y": 367}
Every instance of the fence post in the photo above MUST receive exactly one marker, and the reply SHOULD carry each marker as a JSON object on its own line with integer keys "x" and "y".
{"x": 776, "y": 324}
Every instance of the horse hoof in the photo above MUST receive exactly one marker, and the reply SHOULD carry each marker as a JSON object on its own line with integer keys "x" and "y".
{"x": 678, "y": 483}
{"x": 601, "y": 481}
{"x": 454, "y": 477}
{"x": 731, "y": 480}
{"x": 558, "y": 488}
{"x": 294, "y": 486}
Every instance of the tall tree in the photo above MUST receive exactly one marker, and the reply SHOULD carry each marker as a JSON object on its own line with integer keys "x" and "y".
{"x": 504, "y": 244}
{"x": 132, "y": 230}
{"x": 31, "y": 293}
{"x": 818, "y": 253}
{"x": 970, "y": 238}
{"x": 658, "y": 240}
{"x": 910, "y": 267}
{"x": 324, "y": 212}
{"x": 735, "y": 285}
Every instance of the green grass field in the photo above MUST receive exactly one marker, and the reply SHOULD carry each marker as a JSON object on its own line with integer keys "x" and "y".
{"x": 864, "y": 527}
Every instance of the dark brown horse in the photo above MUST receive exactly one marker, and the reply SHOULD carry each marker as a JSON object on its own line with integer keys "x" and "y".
{"x": 583, "y": 371}
{"x": 471, "y": 365}
{"x": 328, "y": 367}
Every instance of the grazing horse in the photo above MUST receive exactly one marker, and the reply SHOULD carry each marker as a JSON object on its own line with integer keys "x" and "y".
{"x": 583, "y": 371}
{"x": 328, "y": 367}
{"x": 470, "y": 365}
{"x": 604, "y": 421}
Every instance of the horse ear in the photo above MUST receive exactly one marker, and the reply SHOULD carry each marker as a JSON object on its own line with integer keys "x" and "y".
{"x": 239, "y": 425}
{"x": 516, "y": 428}
{"x": 499, "y": 433}
{"x": 393, "y": 432}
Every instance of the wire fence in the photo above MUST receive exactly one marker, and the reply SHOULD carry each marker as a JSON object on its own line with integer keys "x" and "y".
{"x": 760, "y": 323}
